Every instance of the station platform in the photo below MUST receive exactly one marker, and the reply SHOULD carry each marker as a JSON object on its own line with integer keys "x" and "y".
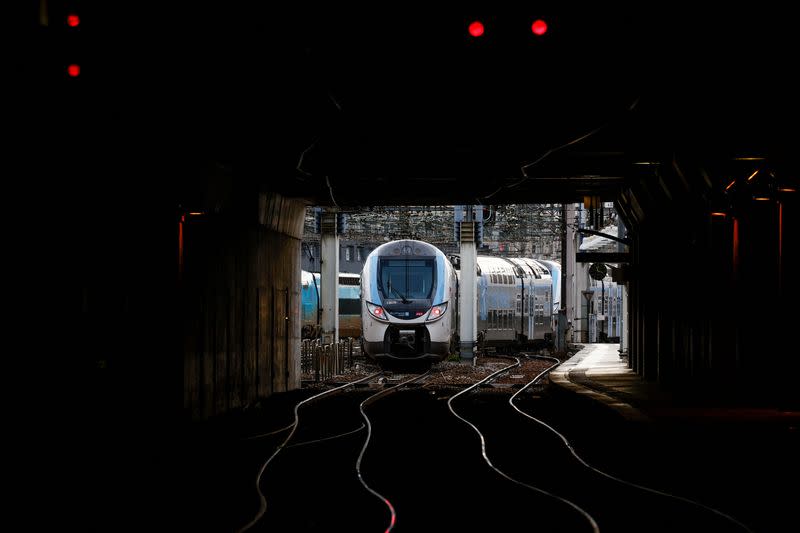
{"x": 730, "y": 446}
{"x": 599, "y": 372}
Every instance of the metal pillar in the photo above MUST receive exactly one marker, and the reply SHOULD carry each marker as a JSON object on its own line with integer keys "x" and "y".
{"x": 570, "y": 296}
{"x": 561, "y": 323}
{"x": 468, "y": 308}
{"x": 329, "y": 274}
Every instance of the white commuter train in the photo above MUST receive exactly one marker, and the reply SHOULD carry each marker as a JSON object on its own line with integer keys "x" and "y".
{"x": 408, "y": 294}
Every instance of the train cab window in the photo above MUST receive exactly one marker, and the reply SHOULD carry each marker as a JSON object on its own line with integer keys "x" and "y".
{"x": 407, "y": 279}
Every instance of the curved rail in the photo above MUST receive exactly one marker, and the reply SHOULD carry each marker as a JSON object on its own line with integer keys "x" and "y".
{"x": 332, "y": 437}
{"x": 371, "y": 399}
{"x": 262, "y": 507}
{"x": 574, "y": 506}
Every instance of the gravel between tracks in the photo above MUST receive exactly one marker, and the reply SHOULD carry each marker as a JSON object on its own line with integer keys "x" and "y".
{"x": 453, "y": 373}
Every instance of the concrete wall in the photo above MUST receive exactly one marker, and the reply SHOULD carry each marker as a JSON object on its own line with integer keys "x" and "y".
{"x": 241, "y": 299}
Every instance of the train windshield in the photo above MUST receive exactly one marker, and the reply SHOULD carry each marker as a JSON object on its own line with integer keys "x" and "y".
{"x": 407, "y": 279}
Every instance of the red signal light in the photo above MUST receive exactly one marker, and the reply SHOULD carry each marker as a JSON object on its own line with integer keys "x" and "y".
{"x": 73, "y": 20}
{"x": 74, "y": 70}
{"x": 476, "y": 28}
{"x": 539, "y": 27}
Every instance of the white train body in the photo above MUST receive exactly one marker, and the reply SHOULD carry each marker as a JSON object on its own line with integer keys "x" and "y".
{"x": 408, "y": 296}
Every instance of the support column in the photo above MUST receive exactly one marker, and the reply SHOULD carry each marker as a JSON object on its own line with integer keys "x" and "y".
{"x": 468, "y": 309}
{"x": 623, "y": 339}
{"x": 329, "y": 274}
{"x": 561, "y": 324}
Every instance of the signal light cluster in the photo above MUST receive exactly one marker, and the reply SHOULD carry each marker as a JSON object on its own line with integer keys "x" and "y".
{"x": 73, "y": 22}
{"x": 476, "y": 28}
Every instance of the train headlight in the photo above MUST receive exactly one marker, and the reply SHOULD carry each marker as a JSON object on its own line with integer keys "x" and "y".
{"x": 436, "y": 312}
{"x": 377, "y": 312}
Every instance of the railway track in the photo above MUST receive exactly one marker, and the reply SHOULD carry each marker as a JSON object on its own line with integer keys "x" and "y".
{"x": 440, "y": 451}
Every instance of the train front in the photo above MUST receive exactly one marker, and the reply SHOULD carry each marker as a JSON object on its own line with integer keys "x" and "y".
{"x": 407, "y": 291}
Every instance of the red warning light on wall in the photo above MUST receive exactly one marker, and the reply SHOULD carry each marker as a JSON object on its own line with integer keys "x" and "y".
{"x": 74, "y": 70}
{"x": 476, "y": 28}
{"x": 539, "y": 27}
{"x": 73, "y": 20}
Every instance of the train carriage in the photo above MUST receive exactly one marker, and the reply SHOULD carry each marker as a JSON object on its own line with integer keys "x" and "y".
{"x": 349, "y": 305}
{"x": 514, "y": 301}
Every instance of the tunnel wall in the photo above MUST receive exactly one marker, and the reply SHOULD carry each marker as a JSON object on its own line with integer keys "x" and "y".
{"x": 240, "y": 285}
{"x": 711, "y": 297}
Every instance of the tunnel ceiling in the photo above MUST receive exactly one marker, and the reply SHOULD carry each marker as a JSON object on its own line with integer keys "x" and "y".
{"x": 398, "y": 106}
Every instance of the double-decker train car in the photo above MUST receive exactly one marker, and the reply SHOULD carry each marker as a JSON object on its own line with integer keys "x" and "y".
{"x": 515, "y": 301}
{"x": 349, "y": 305}
{"x": 408, "y": 292}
